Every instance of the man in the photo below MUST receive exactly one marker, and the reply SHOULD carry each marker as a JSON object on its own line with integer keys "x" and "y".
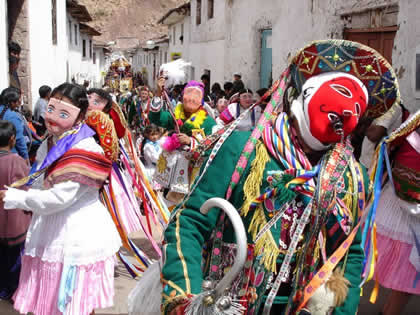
{"x": 41, "y": 106}
{"x": 13, "y": 75}
{"x": 228, "y": 87}
{"x": 139, "y": 109}
{"x": 238, "y": 85}
{"x": 14, "y": 49}
{"x": 205, "y": 79}
{"x": 298, "y": 188}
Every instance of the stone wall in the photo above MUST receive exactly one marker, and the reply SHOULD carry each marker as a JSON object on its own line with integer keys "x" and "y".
{"x": 18, "y": 32}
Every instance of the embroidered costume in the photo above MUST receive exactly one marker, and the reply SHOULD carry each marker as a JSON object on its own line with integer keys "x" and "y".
{"x": 174, "y": 171}
{"x": 302, "y": 217}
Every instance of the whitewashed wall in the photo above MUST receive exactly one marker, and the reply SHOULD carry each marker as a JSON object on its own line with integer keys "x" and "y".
{"x": 208, "y": 46}
{"x": 4, "y": 60}
{"x": 47, "y": 61}
{"x": 178, "y": 47}
{"x": 98, "y": 67}
{"x": 74, "y": 57}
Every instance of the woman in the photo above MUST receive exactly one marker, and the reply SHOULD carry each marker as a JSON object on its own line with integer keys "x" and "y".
{"x": 234, "y": 110}
{"x": 68, "y": 265}
{"x": 9, "y": 104}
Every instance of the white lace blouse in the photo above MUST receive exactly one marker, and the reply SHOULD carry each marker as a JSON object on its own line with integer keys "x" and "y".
{"x": 69, "y": 223}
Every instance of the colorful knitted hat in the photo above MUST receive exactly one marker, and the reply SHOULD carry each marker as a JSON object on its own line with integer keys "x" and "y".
{"x": 337, "y": 82}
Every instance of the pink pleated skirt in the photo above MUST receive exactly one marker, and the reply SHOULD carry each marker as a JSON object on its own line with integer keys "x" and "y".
{"x": 394, "y": 270}
{"x": 39, "y": 285}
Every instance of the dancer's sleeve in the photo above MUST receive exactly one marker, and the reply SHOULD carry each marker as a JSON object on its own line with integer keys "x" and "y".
{"x": 186, "y": 234}
{"x": 160, "y": 117}
{"x": 44, "y": 202}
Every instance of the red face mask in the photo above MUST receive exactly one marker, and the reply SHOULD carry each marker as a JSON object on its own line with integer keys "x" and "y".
{"x": 333, "y": 104}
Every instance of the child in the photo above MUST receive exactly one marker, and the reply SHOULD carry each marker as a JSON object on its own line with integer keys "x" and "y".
{"x": 68, "y": 264}
{"x": 35, "y": 139}
{"x": 13, "y": 224}
{"x": 151, "y": 148}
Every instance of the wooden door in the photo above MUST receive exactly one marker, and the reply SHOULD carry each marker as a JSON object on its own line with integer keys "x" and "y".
{"x": 380, "y": 39}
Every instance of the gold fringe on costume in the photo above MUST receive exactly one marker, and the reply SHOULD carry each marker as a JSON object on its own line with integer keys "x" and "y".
{"x": 266, "y": 246}
{"x": 254, "y": 180}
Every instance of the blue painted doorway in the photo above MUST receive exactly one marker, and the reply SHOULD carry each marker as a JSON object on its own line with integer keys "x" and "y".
{"x": 266, "y": 59}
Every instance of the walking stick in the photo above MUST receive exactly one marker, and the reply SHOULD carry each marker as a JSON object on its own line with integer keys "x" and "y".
{"x": 216, "y": 301}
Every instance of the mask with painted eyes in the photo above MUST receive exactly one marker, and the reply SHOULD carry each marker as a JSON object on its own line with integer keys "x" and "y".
{"x": 60, "y": 116}
{"x": 246, "y": 100}
{"x": 329, "y": 108}
{"x": 96, "y": 102}
{"x": 192, "y": 99}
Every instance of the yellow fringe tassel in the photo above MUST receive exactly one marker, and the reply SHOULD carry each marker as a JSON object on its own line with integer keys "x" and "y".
{"x": 266, "y": 246}
{"x": 254, "y": 180}
{"x": 348, "y": 198}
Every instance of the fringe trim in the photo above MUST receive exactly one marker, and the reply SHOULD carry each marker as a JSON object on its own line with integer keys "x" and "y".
{"x": 266, "y": 246}
{"x": 254, "y": 181}
{"x": 348, "y": 198}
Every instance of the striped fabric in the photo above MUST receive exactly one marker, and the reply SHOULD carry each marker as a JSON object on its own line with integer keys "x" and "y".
{"x": 85, "y": 167}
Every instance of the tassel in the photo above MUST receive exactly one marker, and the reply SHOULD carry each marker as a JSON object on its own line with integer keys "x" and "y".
{"x": 203, "y": 304}
{"x": 254, "y": 180}
{"x": 171, "y": 143}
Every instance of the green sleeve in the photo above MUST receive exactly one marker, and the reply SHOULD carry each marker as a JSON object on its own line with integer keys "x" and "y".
{"x": 162, "y": 118}
{"x": 208, "y": 125}
{"x": 187, "y": 232}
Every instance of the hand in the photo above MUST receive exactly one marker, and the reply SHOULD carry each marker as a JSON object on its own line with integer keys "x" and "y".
{"x": 375, "y": 133}
{"x": 184, "y": 139}
{"x": 161, "y": 83}
{"x": 2, "y": 194}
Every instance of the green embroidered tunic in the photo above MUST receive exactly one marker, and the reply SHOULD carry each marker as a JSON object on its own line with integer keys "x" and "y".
{"x": 189, "y": 231}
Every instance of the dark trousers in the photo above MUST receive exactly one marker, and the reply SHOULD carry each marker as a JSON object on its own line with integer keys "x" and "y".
{"x": 10, "y": 265}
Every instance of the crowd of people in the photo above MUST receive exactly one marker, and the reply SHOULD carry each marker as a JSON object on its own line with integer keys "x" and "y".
{"x": 287, "y": 157}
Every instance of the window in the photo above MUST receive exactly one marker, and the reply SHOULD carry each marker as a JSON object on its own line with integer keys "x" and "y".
{"x": 94, "y": 58}
{"x": 70, "y": 33}
{"x": 181, "y": 38}
{"x": 174, "y": 34}
{"x": 90, "y": 49}
{"x": 84, "y": 48}
{"x": 210, "y": 9}
{"x": 198, "y": 13}
{"x": 54, "y": 21}
{"x": 76, "y": 38}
